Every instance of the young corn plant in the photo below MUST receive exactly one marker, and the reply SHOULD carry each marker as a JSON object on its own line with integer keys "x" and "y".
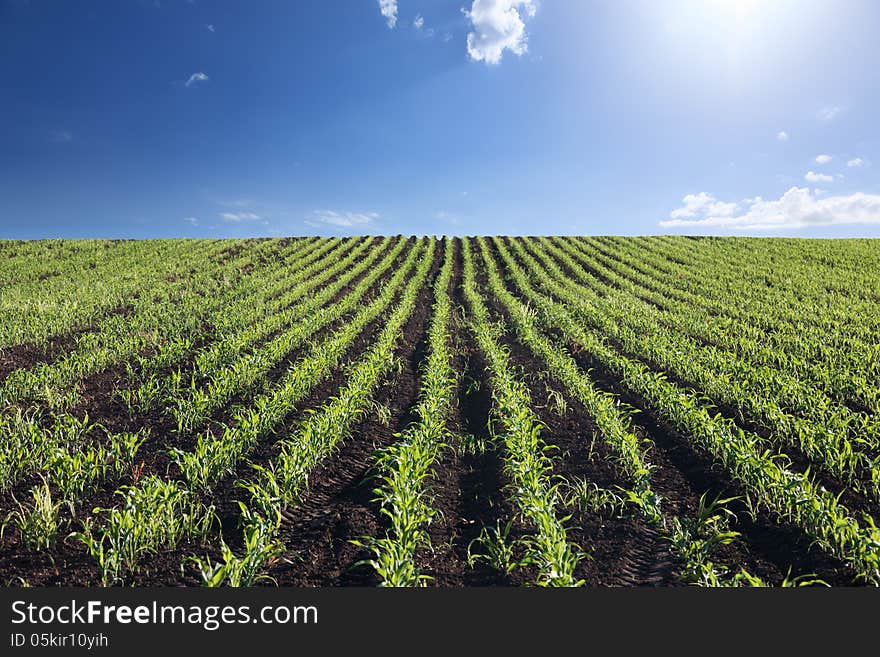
{"x": 586, "y": 496}
{"x": 497, "y": 548}
{"x": 154, "y": 515}
{"x": 470, "y": 445}
{"x": 38, "y": 523}
{"x": 696, "y": 538}
{"x": 260, "y": 550}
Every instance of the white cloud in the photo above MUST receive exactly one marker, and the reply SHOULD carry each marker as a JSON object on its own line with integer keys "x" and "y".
{"x": 191, "y": 220}
{"x": 239, "y": 216}
{"x": 782, "y": 135}
{"x": 797, "y": 208}
{"x": 855, "y": 162}
{"x": 498, "y": 26}
{"x": 210, "y": 28}
{"x": 703, "y": 203}
{"x": 813, "y": 177}
{"x": 389, "y": 11}
{"x": 61, "y": 136}
{"x": 346, "y": 219}
{"x": 196, "y": 77}
{"x": 419, "y": 26}
{"x": 823, "y": 159}
{"x": 828, "y": 113}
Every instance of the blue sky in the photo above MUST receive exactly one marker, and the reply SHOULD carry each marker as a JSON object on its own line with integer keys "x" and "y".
{"x": 178, "y": 118}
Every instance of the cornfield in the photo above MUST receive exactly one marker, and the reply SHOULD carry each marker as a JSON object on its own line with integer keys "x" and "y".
{"x": 392, "y": 411}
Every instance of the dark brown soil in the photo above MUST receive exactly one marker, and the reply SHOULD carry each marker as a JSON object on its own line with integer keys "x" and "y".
{"x": 469, "y": 487}
{"x": 25, "y": 356}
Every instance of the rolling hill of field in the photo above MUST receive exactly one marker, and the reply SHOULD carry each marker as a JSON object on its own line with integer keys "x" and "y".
{"x": 604, "y": 411}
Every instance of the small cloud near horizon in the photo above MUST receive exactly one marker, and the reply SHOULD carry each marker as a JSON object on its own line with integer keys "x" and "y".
{"x": 236, "y": 203}
{"x": 344, "y": 219}
{"x": 796, "y": 208}
{"x": 239, "y": 216}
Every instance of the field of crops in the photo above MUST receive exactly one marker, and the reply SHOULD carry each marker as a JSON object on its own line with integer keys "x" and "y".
{"x": 487, "y": 411}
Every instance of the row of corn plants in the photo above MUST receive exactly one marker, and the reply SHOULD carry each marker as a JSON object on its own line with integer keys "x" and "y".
{"x": 168, "y": 313}
{"x": 35, "y": 443}
{"x": 842, "y": 268}
{"x": 842, "y": 366}
{"x": 405, "y": 466}
{"x": 154, "y": 516}
{"x": 526, "y": 462}
{"x": 241, "y": 324}
{"x": 30, "y": 262}
{"x": 88, "y": 288}
{"x": 307, "y": 318}
{"x": 771, "y": 274}
{"x": 832, "y": 337}
{"x": 843, "y": 373}
{"x": 808, "y": 373}
{"x": 67, "y": 476}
